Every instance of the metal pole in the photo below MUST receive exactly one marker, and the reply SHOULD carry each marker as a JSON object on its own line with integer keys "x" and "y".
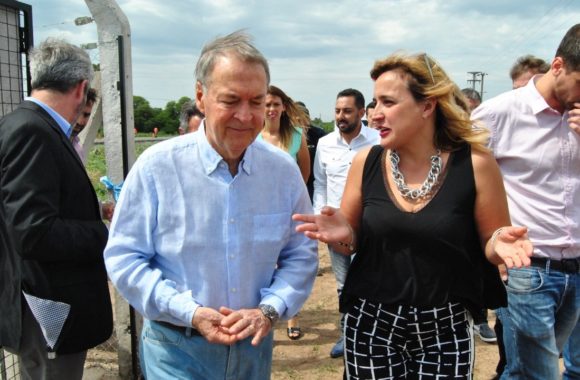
{"x": 125, "y": 156}
{"x": 481, "y": 92}
{"x": 121, "y": 87}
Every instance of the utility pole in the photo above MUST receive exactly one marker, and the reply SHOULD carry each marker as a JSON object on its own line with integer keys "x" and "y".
{"x": 475, "y": 75}
{"x": 482, "y": 78}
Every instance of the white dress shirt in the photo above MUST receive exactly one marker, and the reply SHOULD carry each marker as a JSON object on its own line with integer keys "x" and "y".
{"x": 332, "y": 163}
{"x": 539, "y": 156}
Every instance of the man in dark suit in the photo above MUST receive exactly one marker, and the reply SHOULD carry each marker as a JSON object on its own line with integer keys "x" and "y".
{"x": 53, "y": 284}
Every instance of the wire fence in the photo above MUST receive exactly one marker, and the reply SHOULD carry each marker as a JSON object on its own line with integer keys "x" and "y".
{"x": 15, "y": 35}
{"x": 102, "y": 359}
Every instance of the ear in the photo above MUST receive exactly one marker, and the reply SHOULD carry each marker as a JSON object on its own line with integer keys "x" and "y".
{"x": 557, "y": 66}
{"x": 199, "y": 97}
{"x": 361, "y": 113}
{"x": 80, "y": 91}
{"x": 429, "y": 106}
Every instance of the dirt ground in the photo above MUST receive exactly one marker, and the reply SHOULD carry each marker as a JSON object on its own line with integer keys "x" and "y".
{"x": 308, "y": 358}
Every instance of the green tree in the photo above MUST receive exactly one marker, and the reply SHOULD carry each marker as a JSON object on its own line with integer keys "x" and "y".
{"x": 143, "y": 114}
{"x": 182, "y": 100}
{"x": 169, "y": 118}
{"x": 328, "y": 126}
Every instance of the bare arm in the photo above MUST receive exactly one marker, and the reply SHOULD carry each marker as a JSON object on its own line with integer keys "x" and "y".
{"x": 351, "y": 204}
{"x": 339, "y": 227}
{"x": 303, "y": 159}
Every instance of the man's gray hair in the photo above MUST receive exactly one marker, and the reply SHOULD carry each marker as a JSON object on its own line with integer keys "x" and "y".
{"x": 57, "y": 65}
{"x": 188, "y": 110}
{"x": 239, "y": 44}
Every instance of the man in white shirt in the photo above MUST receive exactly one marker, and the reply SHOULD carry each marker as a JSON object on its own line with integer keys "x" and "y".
{"x": 535, "y": 138}
{"x": 334, "y": 156}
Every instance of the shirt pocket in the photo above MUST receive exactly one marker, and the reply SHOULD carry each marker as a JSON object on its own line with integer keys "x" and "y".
{"x": 271, "y": 232}
{"x": 338, "y": 166}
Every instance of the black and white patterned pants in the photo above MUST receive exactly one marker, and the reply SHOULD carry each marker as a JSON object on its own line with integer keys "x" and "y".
{"x": 406, "y": 342}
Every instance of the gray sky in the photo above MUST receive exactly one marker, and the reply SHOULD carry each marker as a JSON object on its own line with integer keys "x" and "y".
{"x": 317, "y": 48}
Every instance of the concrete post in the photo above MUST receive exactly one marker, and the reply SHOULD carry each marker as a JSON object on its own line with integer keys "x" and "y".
{"x": 112, "y": 24}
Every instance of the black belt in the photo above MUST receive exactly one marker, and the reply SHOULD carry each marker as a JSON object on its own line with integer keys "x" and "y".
{"x": 565, "y": 265}
{"x": 187, "y": 331}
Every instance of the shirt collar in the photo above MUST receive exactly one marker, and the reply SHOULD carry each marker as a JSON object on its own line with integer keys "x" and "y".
{"x": 61, "y": 121}
{"x": 210, "y": 158}
{"x": 534, "y": 98}
{"x": 365, "y": 134}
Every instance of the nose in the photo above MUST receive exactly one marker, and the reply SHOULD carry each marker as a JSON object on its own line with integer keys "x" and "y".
{"x": 377, "y": 111}
{"x": 244, "y": 113}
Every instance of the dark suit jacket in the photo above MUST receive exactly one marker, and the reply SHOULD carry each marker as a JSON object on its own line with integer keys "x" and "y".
{"x": 312, "y": 136}
{"x": 51, "y": 234}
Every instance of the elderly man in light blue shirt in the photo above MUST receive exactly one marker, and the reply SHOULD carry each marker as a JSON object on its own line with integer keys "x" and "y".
{"x": 202, "y": 242}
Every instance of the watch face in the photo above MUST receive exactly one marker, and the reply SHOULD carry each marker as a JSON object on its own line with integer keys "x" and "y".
{"x": 269, "y": 312}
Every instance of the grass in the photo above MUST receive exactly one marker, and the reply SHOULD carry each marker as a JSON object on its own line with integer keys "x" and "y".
{"x": 97, "y": 167}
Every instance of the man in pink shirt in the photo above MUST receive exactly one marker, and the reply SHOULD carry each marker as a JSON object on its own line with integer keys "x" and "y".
{"x": 535, "y": 137}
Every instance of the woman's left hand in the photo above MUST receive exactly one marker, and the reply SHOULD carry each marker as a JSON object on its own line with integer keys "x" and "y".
{"x": 513, "y": 247}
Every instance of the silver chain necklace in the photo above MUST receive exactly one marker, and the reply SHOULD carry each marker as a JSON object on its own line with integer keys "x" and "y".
{"x": 426, "y": 187}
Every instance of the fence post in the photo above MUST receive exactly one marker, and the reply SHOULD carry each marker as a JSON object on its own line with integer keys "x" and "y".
{"x": 118, "y": 124}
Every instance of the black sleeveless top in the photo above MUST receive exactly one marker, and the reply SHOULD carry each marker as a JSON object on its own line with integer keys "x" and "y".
{"x": 424, "y": 258}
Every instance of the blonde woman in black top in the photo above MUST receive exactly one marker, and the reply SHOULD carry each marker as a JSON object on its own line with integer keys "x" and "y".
{"x": 426, "y": 213}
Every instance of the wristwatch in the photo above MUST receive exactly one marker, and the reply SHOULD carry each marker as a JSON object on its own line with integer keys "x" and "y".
{"x": 269, "y": 312}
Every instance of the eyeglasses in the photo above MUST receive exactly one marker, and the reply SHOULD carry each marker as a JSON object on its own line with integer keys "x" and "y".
{"x": 428, "y": 64}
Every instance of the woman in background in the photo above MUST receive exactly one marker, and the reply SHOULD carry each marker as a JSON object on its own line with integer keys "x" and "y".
{"x": 285, "y": 127}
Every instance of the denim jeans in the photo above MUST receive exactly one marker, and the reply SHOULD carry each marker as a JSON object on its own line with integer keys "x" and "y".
{"x": 572, "y": 355}
{"x": 170, "y": 354}
{"x": 543, "y": 312}
{"x": 512, "y": 366}
{"x": 340, "y": 265}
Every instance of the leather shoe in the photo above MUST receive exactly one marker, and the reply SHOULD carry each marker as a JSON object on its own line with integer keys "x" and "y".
{"x": 338, "y": 348}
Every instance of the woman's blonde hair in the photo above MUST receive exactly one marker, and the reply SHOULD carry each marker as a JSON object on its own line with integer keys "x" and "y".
{"x": 293, "y": 117}
{"x": 426, "y": 79}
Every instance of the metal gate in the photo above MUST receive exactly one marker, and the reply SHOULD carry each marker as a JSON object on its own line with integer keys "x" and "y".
{"x": 15, "y": 40}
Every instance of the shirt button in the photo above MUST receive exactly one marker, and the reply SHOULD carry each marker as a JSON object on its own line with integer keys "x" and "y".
{"x": 232, "y": 220}
{"x": 232, "y": 256}
{"x": 233, "y": 290}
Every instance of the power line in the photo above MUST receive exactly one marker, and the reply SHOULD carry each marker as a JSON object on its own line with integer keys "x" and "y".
{"x": 529, "y": 34}
{"x": 474, "y": 80}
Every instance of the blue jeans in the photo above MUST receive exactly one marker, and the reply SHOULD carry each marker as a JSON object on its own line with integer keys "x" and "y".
{"x": 512, "y": 366}
{"x": 169, "y": 354}
{"x": 572, "y": 355}
{"x": 340, "y": 265}
{"x": 543, "y": 312}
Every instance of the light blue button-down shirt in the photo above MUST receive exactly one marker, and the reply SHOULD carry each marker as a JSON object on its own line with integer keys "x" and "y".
{"x": 187, "y": 234}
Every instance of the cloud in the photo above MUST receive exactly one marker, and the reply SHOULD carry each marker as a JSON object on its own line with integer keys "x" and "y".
{"x": 317, "y": 48}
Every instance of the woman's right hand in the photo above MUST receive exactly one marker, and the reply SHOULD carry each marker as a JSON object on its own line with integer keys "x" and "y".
{"x": 329, "y": 227}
